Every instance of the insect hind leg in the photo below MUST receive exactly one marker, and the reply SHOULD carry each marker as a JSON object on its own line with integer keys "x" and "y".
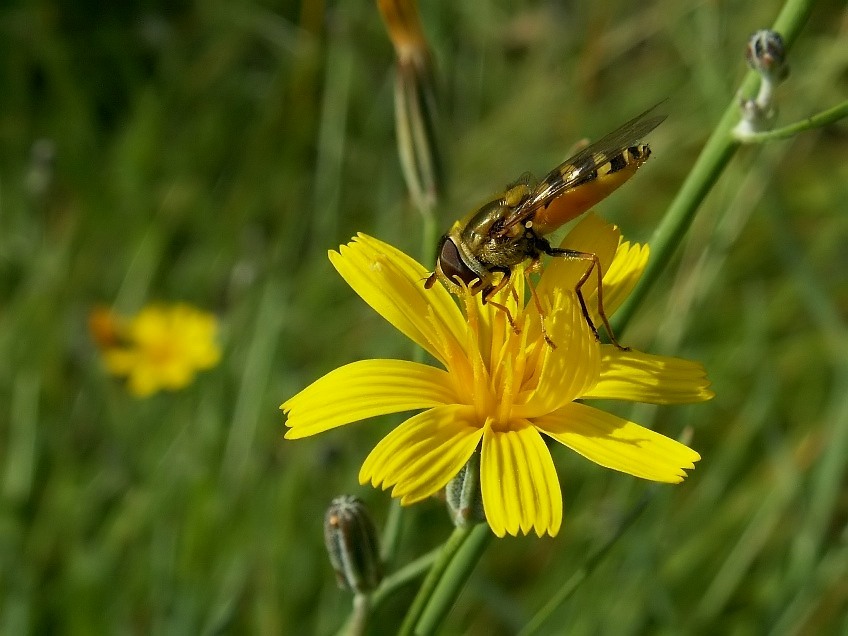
{"x": 595, "y": 265}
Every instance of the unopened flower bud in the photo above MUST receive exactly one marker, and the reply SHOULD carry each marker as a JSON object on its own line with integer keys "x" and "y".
{"x": 463, "y": 496}
{"x": 415, "y": 102}
{"x": 766, "y": 54}
{"x": 351, "y": 540}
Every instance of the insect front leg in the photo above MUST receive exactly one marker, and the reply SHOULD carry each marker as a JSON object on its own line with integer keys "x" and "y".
{"x": 490, "y": 291}
{"x": 596, "y": 266}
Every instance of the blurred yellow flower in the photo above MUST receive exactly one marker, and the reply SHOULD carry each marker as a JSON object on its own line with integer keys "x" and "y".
{"x": 161, "y": 347}
{"x": 501, "y": 391}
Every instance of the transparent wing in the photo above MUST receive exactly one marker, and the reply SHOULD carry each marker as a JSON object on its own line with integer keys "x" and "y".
{"x": 582, "y": 166}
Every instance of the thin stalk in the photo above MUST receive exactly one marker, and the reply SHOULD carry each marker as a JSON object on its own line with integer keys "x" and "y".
{"x": 361, "y": 611}
{"x": 818, "y": 120}
{"x": 455, "y": 577}
{"x": 391, "y": 534}
{"x": 714, "y": 158}
{"x": 449, "y": 550}
{"x": 403, "y": 576}
{"x": 392, "y": 584}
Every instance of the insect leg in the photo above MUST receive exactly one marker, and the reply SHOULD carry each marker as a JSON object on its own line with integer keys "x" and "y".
{"x": 490, "y": 292}
{"x": 538, "y": 304}
{"x": 595, "y": 265}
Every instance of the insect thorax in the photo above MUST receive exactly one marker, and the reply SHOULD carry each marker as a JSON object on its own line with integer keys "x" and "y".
{"x": 482, "y": 237}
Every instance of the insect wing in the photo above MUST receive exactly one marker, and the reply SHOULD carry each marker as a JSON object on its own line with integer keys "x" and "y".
{"x": 582, "y": 167}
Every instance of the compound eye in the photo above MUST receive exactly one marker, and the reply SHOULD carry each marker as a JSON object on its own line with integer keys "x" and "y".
{"x": 453, "y": 266}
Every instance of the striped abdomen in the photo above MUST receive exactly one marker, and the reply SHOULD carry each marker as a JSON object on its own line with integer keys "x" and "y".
{"x": 589, "y": 188}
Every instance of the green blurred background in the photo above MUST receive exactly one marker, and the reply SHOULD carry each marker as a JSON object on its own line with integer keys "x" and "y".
{"x": 213, "y": 151}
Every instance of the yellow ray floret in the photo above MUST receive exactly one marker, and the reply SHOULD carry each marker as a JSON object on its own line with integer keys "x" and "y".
{"x": 502, "y": 388}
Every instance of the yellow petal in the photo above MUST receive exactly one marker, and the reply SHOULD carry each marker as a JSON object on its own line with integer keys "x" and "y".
{"x": 620, "y": 279}
{"x": 423, "y": 454}
{"x": 642, "y": 377}
{"x": 142, "y": 383}
{"x": 393, "y": 284}
{"x": 568, "y": 370}
{"x": 120, "y": 361}
{"x": 518, "y": 482}
{"x": 618, "y": 444}
{"x": 365, "y": 389}
{"x": 592, "y": 235}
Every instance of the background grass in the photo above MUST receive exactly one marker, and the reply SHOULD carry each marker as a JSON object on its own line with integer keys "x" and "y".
{"x": 213, "y": 151}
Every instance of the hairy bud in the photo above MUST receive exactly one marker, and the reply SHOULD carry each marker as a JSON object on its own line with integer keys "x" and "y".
{"x": 351, "y": 540}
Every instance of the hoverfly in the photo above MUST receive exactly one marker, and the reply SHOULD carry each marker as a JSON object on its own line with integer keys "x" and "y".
{"x": 480, "y": 251}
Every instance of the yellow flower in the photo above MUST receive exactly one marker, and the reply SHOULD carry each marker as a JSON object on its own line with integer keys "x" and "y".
{"x": 161, "y": 347}
{"x": 501, "y": 391}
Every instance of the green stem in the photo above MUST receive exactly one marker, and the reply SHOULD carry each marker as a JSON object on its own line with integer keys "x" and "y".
{"x": 448, "y": 551}
{"x": 588, "y": 567}
{"x": 403, "y": 576}
{"x": 391, "y": 534}
{"x": 815, "y": 121}
{"x": 712, "y": 161}
{"x": 455, "y": 576}
{"x": 392, "y": 584}
{"x": 361, "y": 609}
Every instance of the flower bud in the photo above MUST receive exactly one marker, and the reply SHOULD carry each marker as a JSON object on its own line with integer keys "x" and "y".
{"x": 766, "y": 54}
{"x": 351, "y": 540}
{"x": 415, "y": 102}
{"x": 465, "y": 502}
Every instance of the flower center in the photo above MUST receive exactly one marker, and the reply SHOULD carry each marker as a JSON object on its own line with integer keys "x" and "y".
{"x": 163, "y": 352}
{"x": 503, "y": 356}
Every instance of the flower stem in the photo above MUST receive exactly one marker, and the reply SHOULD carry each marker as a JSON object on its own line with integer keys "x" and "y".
{"x": 712, "y": 161}
{"x": 391, "y": 534}
{"x": 403, "y": 576}
{"x": 448, "y": 552}
{"x": 361, "y": 608}
{"x": 448, "y": 589}
{"x": 392, "y": 584}
{"x": 815, "y": 121}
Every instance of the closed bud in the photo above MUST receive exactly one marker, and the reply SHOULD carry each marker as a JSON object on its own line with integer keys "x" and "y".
{"x": 766, "y": 54}
{"x": 415, "y": 102}
{"x": 403, "y": 24}
{"x": 351, "y": 540}
{"x": 463, "y": 496}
